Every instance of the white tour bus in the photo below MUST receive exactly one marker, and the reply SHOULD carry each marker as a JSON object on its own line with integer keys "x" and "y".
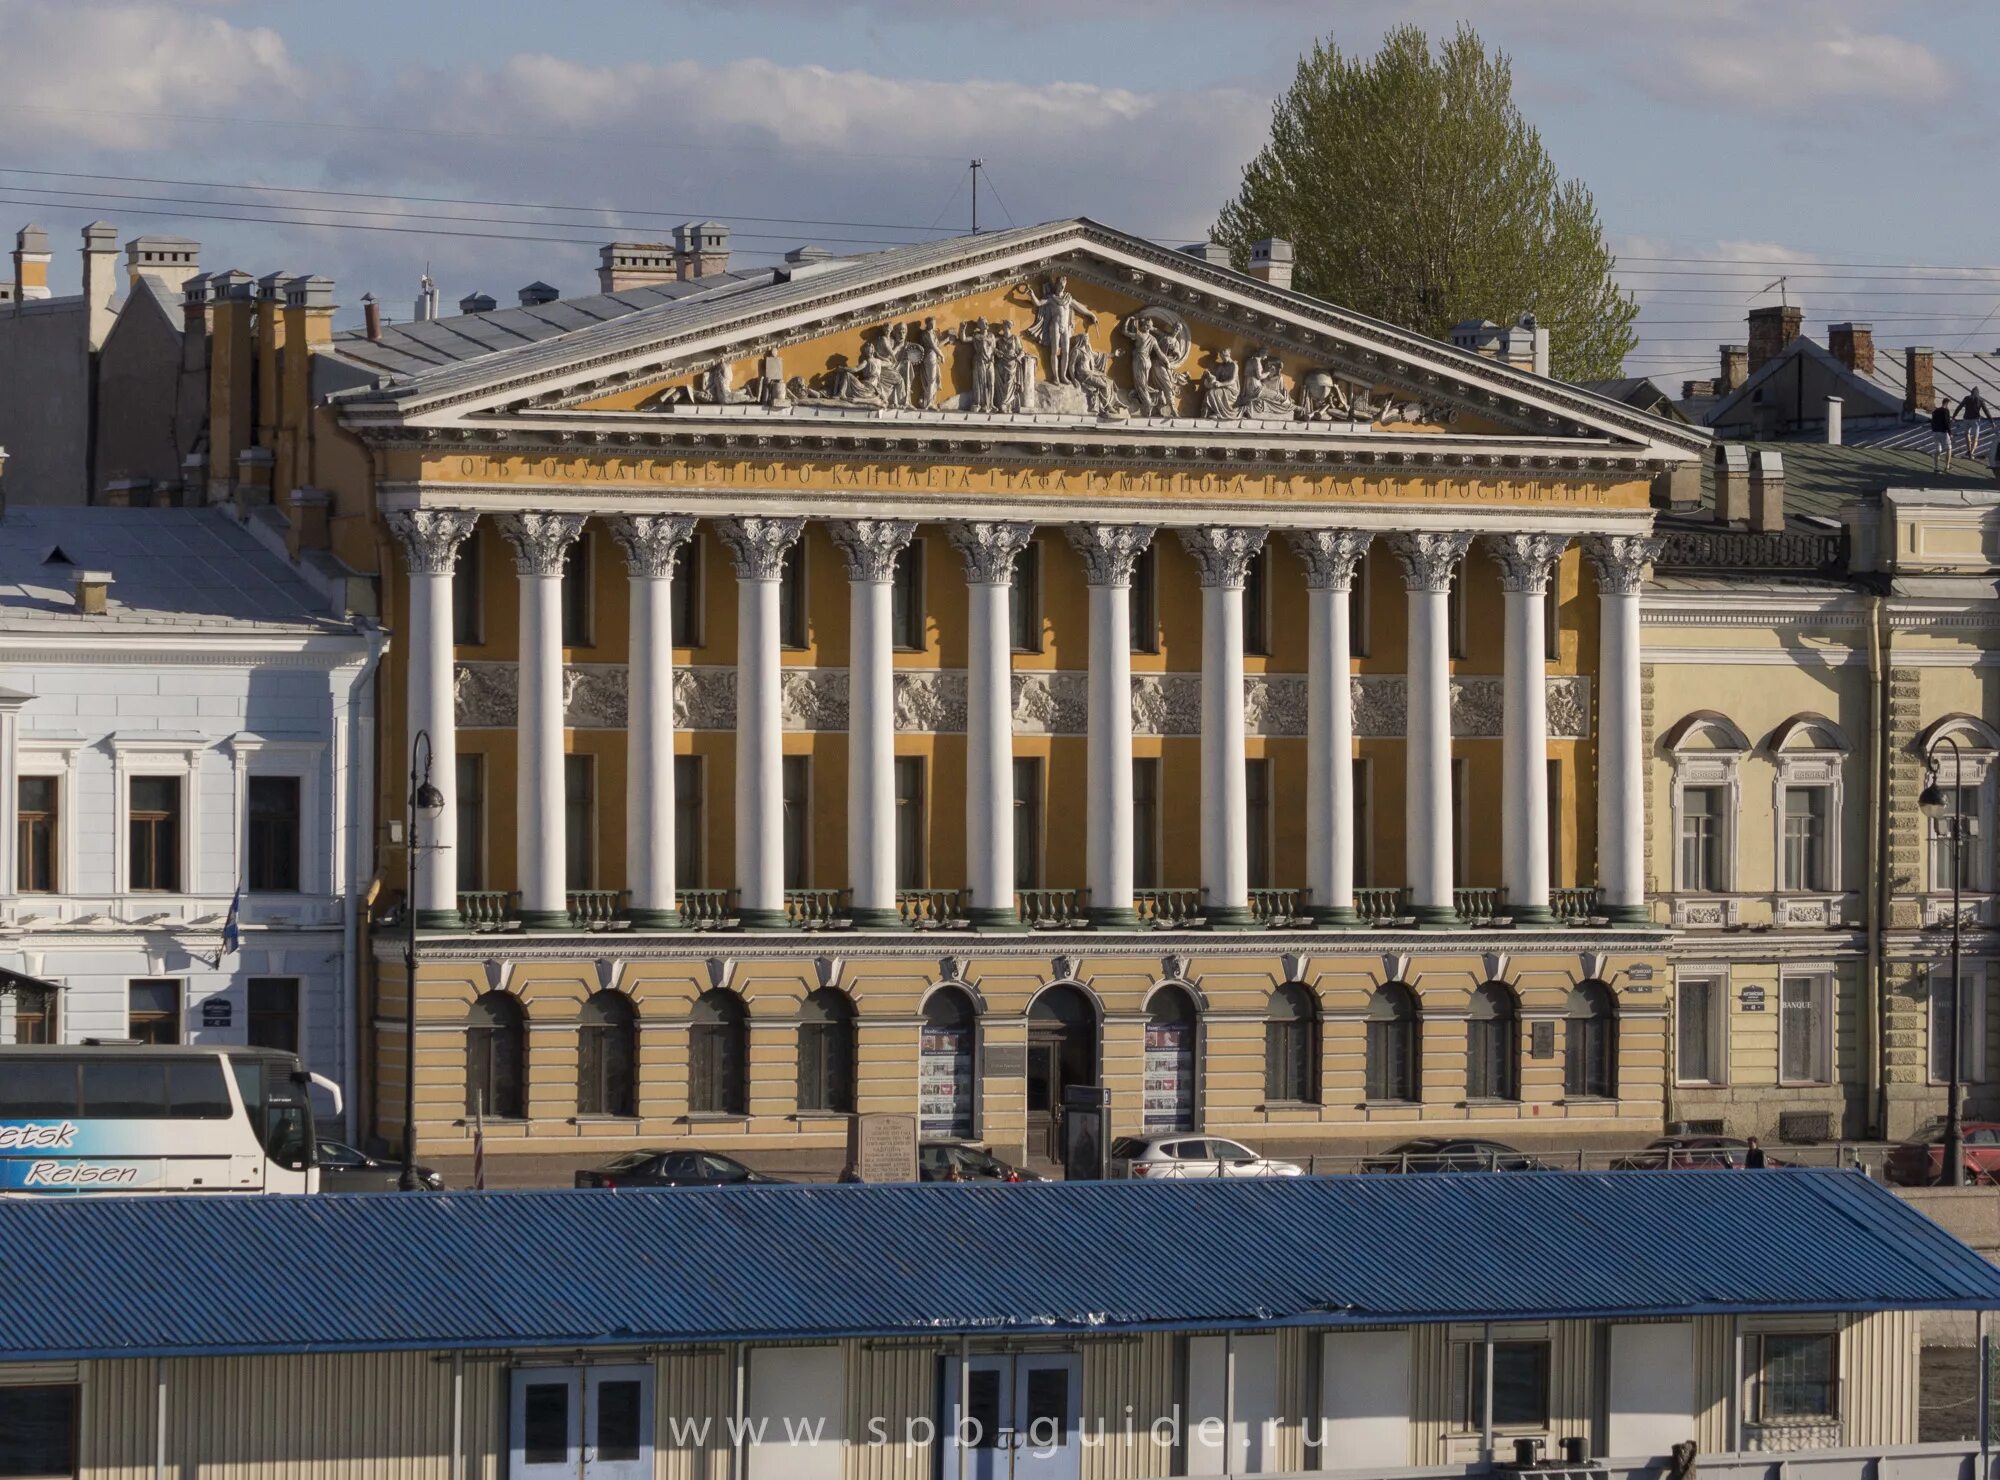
{"x": 147, "y": 1118}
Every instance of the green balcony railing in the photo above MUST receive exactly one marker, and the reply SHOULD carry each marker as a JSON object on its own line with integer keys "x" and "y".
{"x": 1575, "y": 906}
{"x": 597, "y": 909}
{"x": 489, "y": 909}
{"x": 1053, "y": 909}
{"x": 815, "y": 909}
{"x": 1477, "y": 906}
{"x": 931, "y": 909}
{"x": 707, "y": 909}
{"x": 1380, "y": 907}
{"x": 1279, "y": 908}
{"x": 1167, "y": 909}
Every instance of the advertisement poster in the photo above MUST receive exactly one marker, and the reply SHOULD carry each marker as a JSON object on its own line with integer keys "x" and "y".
{"x": 944, "y": 1084}
{"x": 1169, "y": 1077}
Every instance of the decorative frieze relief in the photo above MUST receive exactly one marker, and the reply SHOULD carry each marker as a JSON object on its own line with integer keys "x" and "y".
{"x": 931, "y": 701}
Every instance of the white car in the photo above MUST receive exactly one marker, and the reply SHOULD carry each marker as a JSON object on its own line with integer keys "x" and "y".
{"x": 1188, "y": 1158}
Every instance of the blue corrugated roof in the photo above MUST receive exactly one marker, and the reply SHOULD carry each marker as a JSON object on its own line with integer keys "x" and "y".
{"x": 139, "y": 1276}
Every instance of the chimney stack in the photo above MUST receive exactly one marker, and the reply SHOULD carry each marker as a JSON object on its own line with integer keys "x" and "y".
{"x": 100, "y": 280}
{"x": 1771, "y": 329}
{"x": 168, "y": 260}
{"x": 1767, "y": 490}
{"x": 93, "y": 591}
{"x": 701, "y": 249}
{"x": 538, "y": 292}
{"x": 477, "y": 303}
{"x": 1215, "y": 254}
{"x": 371, "y": 316}
{"x": 622, "y": 265}
{"x": 1732, "y": 483}
{"x": 1735, "y": 368}
{"x": 1853, "y": 345}
{"x": 31, "y": 263}
{"x": 1919, "y": 387}
{"x": 1271, "y": 261}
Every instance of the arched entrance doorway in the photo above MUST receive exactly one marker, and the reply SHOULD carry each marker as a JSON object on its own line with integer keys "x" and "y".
{"x": 1062, "y": 1051}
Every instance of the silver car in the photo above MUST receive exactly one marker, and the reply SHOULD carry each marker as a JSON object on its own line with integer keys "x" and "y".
{"x": 1189, "y": 1158}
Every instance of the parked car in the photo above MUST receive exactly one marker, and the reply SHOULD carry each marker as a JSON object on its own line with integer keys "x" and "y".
{"x": 343, "y": 1168}
{"x": 1184, "y": 1158}
{"x": 674, "y": 1169}
{"x": 1920, "y": 1162}
{"x": 1453, "y": 1154}
{"x": 961, "y": 1161}
{"x": 1674, "y": 1153}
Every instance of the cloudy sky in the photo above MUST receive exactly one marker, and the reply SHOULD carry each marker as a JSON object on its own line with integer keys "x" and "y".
{"x": 1847, "y": 144}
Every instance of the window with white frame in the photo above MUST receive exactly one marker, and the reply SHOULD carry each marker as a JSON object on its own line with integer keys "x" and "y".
{"x": 279, "y": 820}
{"x": 1967, "y": 780}
{"x": 156, "y": 793}
{"x": 47, "y": 779}
{"x": 1807, "y": 754}
{"x": 1972, "y": 1024}
{"x": 1805, "y": 1027}
{"x": 1707, "y": 753}
{"x": 1701, "y": 1004}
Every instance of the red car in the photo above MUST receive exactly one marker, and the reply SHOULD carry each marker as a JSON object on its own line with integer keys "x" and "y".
{"x": 1920, "y": 1163}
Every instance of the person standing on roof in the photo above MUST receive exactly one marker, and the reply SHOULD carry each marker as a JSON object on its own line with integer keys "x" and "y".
{"x": 1941, "y": 435}
{"x": 1972, "y": 411}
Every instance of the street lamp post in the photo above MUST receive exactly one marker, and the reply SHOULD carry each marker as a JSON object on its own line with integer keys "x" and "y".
{"x": 1933, "y": 805}
{"x": 424, "y": 797}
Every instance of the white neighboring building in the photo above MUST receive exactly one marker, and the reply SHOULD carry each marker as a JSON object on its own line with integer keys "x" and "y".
{"x": 181, "y": 717}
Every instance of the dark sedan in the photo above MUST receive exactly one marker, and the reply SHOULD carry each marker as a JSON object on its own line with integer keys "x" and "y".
{"x": 342, "y": 1168}
{"x": 958, "y": 1161}
{"x": 1920, "y": 1163}
{"x": 1674, "y": 1153}
{"x": 674, "y": 1169}
{"x": 1452, "y": 1154}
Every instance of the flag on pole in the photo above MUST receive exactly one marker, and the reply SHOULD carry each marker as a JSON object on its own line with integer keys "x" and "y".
{"x": 232, "y": 929}
{"x": 479, "y": 1142}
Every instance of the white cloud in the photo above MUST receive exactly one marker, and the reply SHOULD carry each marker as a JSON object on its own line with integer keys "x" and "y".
{"x": 1799, "y": 70}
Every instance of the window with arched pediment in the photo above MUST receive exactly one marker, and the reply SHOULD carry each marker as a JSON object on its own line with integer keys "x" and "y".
{"x": 1493, "y": 1044}
{"x": 1291, "y": 1046}
{"x": 1808, "y": 759}
{"x": 1958, "y": 753}
{"x": 826, "y": 1052}
{"x": 1393, "y": 1023}
{"x": 1590, "y": 1043}
{"x": 496, "y": 1070}
{"x": 947, "y": 1082}
{"x": 1706, "y": 750}
{"x": 719, "y": 1055}
{"x": 607, "y": 1056}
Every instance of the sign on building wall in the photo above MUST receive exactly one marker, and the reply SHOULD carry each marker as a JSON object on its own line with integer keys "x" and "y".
{"x": 944, "y": 1084}
{"x": 1169, "y": 1077}
{"x": 883, "y": 1148}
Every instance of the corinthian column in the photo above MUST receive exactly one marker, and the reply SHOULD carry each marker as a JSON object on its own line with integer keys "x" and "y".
{"x": 541, "y": 541}
{"x": 1331, "y": 557}
{"x": 1109, "y": 552}
{"x": 1620, "y": 562}
{"x": 759, "y": 546}
{"x": 1428, "y": 560}
{"x": 431, "y": 539}
{"x": 1526, "y": 562}
{"x": 871, "y": 547}
{"x": 1224, "y": 554}
{"x": 652, "y": 544}
{"x": 990, "y": 551}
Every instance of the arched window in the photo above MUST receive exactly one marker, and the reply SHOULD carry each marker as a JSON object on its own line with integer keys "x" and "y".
{"x": 945, "y": 1067}
{"x": 1172, "y": 1025}
{"x": 607, "y": 1056}
{"x": 826, "y": 1052}
{"x": 1392, "y": 1044}
{"x": 1291, "y": 1047}
{"x": 719, "y": 1055}
{"x": 1493, "y": 1044}
{"x": 1590, "y": 1043}
{"x": 495, "y": 1058}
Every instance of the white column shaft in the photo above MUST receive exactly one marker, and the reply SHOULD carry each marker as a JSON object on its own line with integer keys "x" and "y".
{"x": 430, "y": 703}
{"x": 540, "y": 822}
{"x": 760, "y": 802}
{"x": 649, "y": 748}
{"x": 989, "y": 751}
{"x": 1524, "y": 727}
{"x": 1225, "y": 856}
{"x": 1329, "y": 751}
{"x": 1427, "y": 801}
{"x": 1109, "y": 828}
{"x": 871, "y": 749}
{"x": 1621, "y": 793}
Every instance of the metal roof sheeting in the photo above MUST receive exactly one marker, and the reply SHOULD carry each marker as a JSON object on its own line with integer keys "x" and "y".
{"x": 136, "y": 1276}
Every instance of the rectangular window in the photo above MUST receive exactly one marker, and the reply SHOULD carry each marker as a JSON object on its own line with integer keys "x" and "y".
{"x": 1520, "y": 1385}
{"x": 1798, "y": 1377}
{"x": 153, "y": 1011}
{"x": 909, "y": 822}
{"x": 1555, "y": 784}
{"x": 1972, "y": 1025}
{"x": 1257, "y": 820}
{"x": 1454, "y": 606}
{"x": 1028, "y": 823}
{"x": 1698, "y": 1004}
{"x": 906, "y": 600}
{"x": 40, "y": 826}
{"x": 1701, "y": 839}
{"x": 1357, "y": 611}
{"x": 1257, "y": 603}
{"x": 38, "y": 1430}
{"x": 1805, "y": 1030}
{"x": 1024, "y": 599}
{"x": 156, "y": 833}
{"x": 792, "y": 599}
{"x": 689, "y": 789}
{"x": 1806, "y": 809}
{"x": 470, "y": 824}
{"x": 1552, "y": 609}
{"x": 580, "y": 821}
{"x": 797, "y": 784}
{"x": 1460, "y": 802}
{"x": 272, "y": 1013}
{"x": 1145, "y": 822}
{"x": 1971, "y": 864}
{"x": 686, "y": 616}
{"x": 1145, "y": 601}
{"x": 273, "y": 863}
{"x": 468, "y": 595}
{"x": 577, "y": 608}
{"x": 1364, "y": 821}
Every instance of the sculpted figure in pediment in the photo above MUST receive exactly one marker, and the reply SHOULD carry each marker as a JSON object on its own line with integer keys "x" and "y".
{"x": 1159, "y": 339}
{"x": 1006, "y": 366}
{"x": 1090, "y": 375}
{"x": 980, "y": 338}
{"x": 927, "y": 364}
{"x": 1220, "y": 387}
{"x": 878, "y": 379}
{"x": 1056, "y": 313}
{"x": 1263, "y": 393}
{"x": 1323, "y": 397}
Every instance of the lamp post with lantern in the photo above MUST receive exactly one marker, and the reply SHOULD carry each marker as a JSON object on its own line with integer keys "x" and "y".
{"x": 1949, "y": 817}
{"x": 427, "y": 799}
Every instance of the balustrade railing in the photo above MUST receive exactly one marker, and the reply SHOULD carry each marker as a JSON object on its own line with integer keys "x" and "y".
{"x": 1574, "y": 906}
{"x": 1053, "y": 909}
{"x": 489, "y": 909}
{"x": 931, "y": 909}
{"x": 1278, "y": 908}
{"x": 707, "y": 909}
{"x": 816, "y": 909}
{"x": 597, "y": 909}
{"x": 1379, "y": 907}
{"x": 1477, "y": 906}
{"x": 1167, "y": 909}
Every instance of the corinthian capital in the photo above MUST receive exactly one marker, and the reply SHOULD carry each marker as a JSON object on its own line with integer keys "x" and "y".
{"x": 1331, "y": 556}
{"x": 431, "y": 537}
{"x": 759, "y": 545}
{"x": 1526, "y": 561}
{"x": 540, "y": 541}
{"x": 1223, "y": 552}
{"x": 1620, "y": 561}
{"x": 871, "y": 545}
{"x": 990, "y": 550}
{"x": 1429, "y": 557}
{"x": 651, "y": 542}
{"x": 1110, "y": 551}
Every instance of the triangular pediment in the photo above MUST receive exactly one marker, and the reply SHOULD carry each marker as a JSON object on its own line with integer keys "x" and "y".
{"x": 1068, "y": 328}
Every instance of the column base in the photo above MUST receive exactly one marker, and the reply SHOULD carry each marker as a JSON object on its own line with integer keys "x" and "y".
{"x": 752, "y": 919}
{"x": 981, "y": 917}
{"x": 545, "y": 920}
{"x": 440, "y": 920}
{"x": 1626, "y": 914}
{"x": 1113, "y": 917}
{"x": 1228, "y": 916}
{"x": 1534, "y": 915}
{"x": 1436, "y": 917}
{"x": 1336, "y": 917}
{"x": 655, "y": 919}
{"x": 864, "y": 918}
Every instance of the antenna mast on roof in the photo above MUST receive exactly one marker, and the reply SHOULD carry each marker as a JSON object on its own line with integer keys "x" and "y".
{"x": 1783, "y": 301}
{"x": 976, "y": 164}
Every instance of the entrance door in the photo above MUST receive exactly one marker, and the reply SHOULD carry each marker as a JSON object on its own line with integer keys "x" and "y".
{"x": 1045, "y": 1101}
{"x": 581, "y": 1423}
{"x": 545, "y": 1424}
{"x": 618, "y": 1423}
{"x": 1021, "y": 1418}
{"x": 1062, "y": 1051}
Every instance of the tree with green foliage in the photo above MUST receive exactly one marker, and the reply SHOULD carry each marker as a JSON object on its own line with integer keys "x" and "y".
{"x": 1412, "y": 189}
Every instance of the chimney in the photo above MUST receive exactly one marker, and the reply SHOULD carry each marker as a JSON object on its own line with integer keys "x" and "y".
{"x": 1919, "y": 389}
{"x": 1480, "y": 336}
{"x": 1732, "y": 483}
{"x": 1271, "y": 261}
{"x": 168, "y": 260}
{"x": 1697, "y": 390}
{"x": 1771, "y": 329}
{"x": 1767, "y": 490}
{"x": 309, "y": 530}
{"x": 1541, "y": 345}
{"x": 477, "y": 303}
{"x": 371, "y": 316}
{"x": 100, "y": 279}
{"x": 31, "y": 263}
{"x": 232, "y": 370}
{"x": 701, "y": 249}
{"x": 427, "y": 301}
{"x": 538, "y": 292}
{"x": 1215, "y": 254}
{"x": 93, "y": 591}
{"x": 1735, "y": 368}
{"x": 309, "y": 310}
{"x": 1835, "y": 407}
{"x": 194, "y": 303}
{"x": 623, "y": 265}
{"x": 808, "y": 254}
{"x": 1853, "y": 345}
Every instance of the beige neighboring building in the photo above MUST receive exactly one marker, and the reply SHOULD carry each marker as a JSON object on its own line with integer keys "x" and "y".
{"x": 1814, "y": 630}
